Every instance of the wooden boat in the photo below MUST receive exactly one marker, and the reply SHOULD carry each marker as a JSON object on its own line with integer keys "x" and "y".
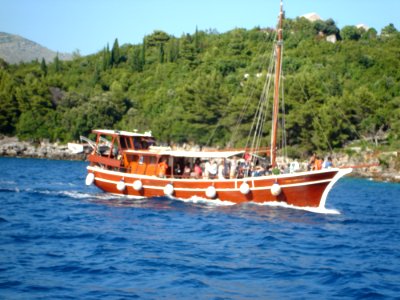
{"x": 129, "y": 163}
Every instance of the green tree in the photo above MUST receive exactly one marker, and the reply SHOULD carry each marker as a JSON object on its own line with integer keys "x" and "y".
{"x": 115, "y": 54}
{"x": 43, "y": 67}
{"x": 9, "y": 111}
{"x": 137, "y": 62}
{"x": 106, "y": 57}
{"x": 350, "y": 33}
{"x": 388, "y": 30}
{"x": 162, "y": 53}
{"x": 57, "y": 64}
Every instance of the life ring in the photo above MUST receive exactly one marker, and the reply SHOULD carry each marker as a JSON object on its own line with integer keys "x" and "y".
{"x": 121, "y": 185}
{"x": 211, "y": 192}
{"x": 276, "y": 189}
{"x": 244, "y": 188}
{"x": 89, "y": 178}
{"x": 169, "y": 189}
{"x": 137, "y": 185}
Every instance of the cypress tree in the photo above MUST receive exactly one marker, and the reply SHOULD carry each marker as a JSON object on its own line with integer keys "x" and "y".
{"x": 115, "y": 56}
{"x": 56, "y": 62}
{"x": 106, "y": 58}
{"x": 143, "y": 54}
{"x": 161, "y": 53}
{"x": 43, "y": 67}
{"x": 137, "y": 60}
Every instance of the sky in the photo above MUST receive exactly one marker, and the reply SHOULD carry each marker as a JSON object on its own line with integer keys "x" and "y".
{"x": 87, "y": 26}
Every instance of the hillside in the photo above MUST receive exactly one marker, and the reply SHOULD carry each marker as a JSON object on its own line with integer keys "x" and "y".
{"x": 15, "y": 49}
{"x": 191, "y": 89}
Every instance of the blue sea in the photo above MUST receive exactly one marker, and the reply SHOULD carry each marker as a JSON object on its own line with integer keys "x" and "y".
{"x": 60, "y": 239}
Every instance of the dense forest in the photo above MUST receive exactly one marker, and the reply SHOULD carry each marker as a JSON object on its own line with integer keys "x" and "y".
{"x": 192, "y": 89}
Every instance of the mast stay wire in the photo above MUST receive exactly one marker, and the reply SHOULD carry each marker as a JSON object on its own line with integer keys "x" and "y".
{"x": 245, "y": 106}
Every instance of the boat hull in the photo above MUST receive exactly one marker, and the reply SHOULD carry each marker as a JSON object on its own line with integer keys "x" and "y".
{"x": 306, "y": 189}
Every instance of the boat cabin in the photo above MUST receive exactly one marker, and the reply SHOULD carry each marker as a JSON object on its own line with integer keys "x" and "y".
{"x": 136, "y": 153}
{"x": 111, "y": 145}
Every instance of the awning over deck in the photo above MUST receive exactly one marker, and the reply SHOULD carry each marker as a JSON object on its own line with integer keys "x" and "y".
{"x": 188, "y": 154}
{"x": 123, "y": 133}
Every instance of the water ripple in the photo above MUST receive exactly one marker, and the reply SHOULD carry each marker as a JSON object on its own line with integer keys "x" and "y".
{"x": 60, "y": 239}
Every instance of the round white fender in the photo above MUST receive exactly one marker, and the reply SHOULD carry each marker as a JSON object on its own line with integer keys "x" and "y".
{"x": 276, "y": 189}
{"x": 137, "y": 185}
{"x": 211, "y": 192}
{"x": 244, "y": 188}
{"x": 169, "y": 189}
{"x": 121, "y": 185}
{"x": 89, "y": 178}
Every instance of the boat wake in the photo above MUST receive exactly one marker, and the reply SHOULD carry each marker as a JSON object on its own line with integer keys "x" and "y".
{"x": 104, "y": 197}
{"x": 217, "y": 202}
{"x": 318, "y": 210}
{"x": 200, "y": 200}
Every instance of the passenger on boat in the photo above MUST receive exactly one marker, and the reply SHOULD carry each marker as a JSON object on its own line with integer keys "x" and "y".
{"x": 213, "y": 169}
{"x": 206, "y": 173}
{"x": 162, "y": 168}
{"x": 284, "y": 169}
{"x": 187, "y": 170}
{"x": 311, "y": 162}
{"x": 197, "y": 169}
{"x": 178, "y": 170}
{"x": 268, "y": 170}
{"x": 294, "y": 166}
{"x": 245, "y": 168}
{"x": 317, "y": 163}
{"x": 233, "y": 167}
{"x": 221, "y": 169}
{"x": 327, "y": 163}
{"x": 258, "y": 170}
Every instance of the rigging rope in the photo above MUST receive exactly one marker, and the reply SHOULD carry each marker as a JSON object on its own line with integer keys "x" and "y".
{"x": 235, "y": 133}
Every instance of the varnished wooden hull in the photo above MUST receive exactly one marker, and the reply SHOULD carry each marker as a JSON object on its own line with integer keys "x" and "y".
{"x": 306, "y": 189}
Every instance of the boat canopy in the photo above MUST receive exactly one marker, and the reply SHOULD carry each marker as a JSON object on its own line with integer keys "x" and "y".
{"x": 189, "y": 154}
{"x": 123, "y": 133}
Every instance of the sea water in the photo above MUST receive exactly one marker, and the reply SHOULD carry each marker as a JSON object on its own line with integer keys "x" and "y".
{"x": 60, "y": 239}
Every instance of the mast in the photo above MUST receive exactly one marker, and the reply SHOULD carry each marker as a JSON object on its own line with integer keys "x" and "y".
{"x": 278, "y": 63}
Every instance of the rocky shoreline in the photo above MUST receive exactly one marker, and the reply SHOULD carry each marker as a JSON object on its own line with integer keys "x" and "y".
{"x": 379, "y": 166}
{"x": 12, "y": 147}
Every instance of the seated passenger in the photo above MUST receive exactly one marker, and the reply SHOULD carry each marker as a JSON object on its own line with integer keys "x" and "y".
{"x": 221, "y": 169}
{"x": 258, "y": 171}
{"x": 162, "y": 168}
{"x": 317, "y": 163}
{"x": 213, "y": 169}
{"x": 294, "y": 166}
{"x": 327, "y": 164}
{"x": 187, "y": 170}
{"x": 197, "y": 169}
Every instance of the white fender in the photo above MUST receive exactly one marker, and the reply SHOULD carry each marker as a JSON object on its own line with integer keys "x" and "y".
{"x": 89, "y": 178}
{"x": 211, "y": 192}
{"x": 121, "y": 185}
{"x": 137, "y": 185}
{"x": 244, "y": 188}
{"x": 169, "y": 189}
{"x": 276, "y": 189}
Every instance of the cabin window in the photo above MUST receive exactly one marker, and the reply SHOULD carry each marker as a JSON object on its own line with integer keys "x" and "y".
{"x": 137, "y": 144}
{"x": 124, "y": 143}
{"x": 104, "y": 145}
